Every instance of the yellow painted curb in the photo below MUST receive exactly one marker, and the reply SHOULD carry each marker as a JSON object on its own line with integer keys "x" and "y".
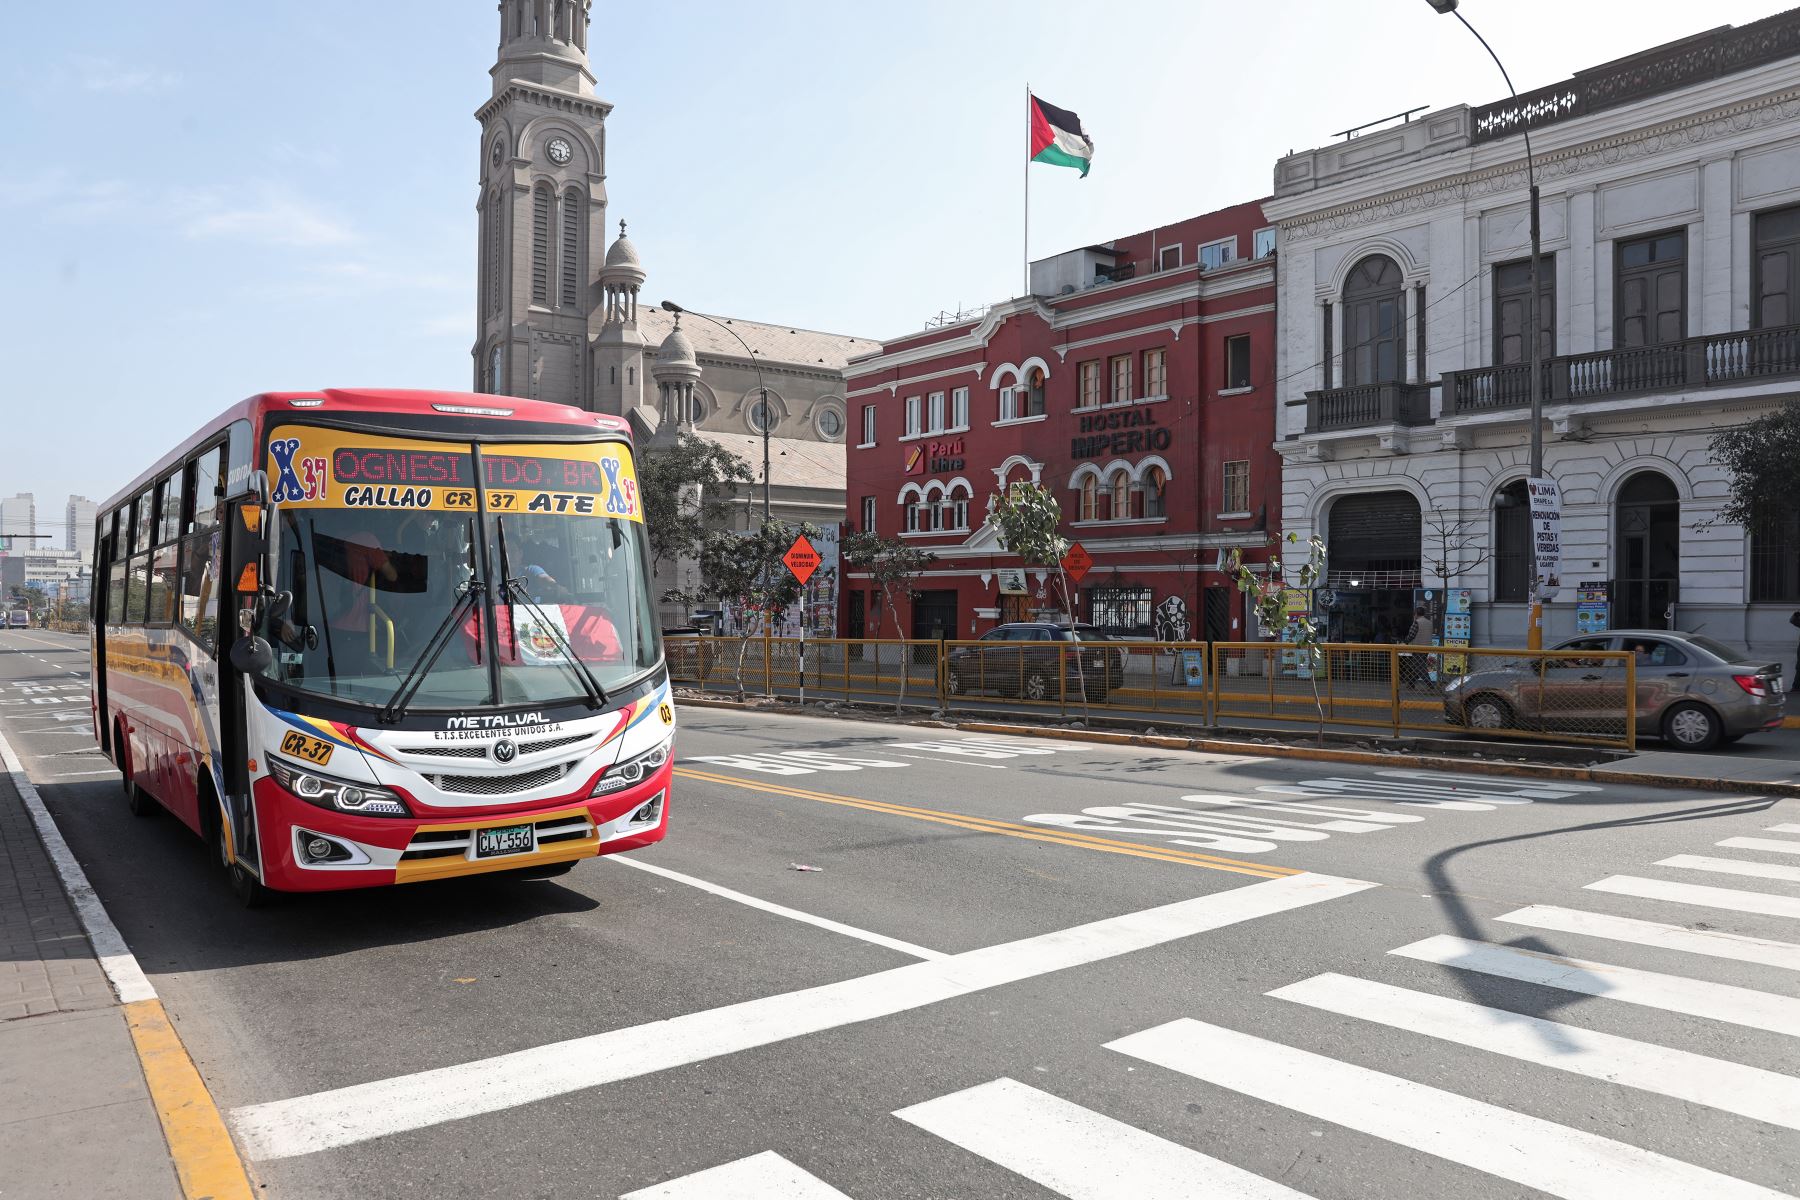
{"x": 206, "y": 1160}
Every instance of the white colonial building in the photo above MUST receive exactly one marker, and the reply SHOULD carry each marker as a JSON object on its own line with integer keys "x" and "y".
{"x": 1671, "y": 258}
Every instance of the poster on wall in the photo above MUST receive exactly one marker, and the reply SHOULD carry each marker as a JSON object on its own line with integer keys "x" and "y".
{"x": 1012, "y": 581}
{"x": 817, "y": 605}
{"x": 1593, "y": 606}
{"x": 1458, "y": 625}
{"x": 1546, "y": 534}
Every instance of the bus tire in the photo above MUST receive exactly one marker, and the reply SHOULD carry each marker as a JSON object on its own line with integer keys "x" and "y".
{"x": 247, "y": 888}
{"x": 138, "y": 802}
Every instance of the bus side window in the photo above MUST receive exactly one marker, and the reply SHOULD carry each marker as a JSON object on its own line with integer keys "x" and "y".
{"x": 137, "y": 594}
{"x": 208, "y": 475}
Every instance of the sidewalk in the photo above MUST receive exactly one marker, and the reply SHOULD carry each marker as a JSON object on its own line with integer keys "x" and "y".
{"x": 76, "y": 1116}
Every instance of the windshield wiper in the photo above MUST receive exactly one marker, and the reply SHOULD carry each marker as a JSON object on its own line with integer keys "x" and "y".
{"x": 434, "y": 649}
{"x": 511, "y": 587}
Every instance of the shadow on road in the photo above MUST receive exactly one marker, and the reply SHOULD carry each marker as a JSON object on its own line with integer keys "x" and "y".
{"x": 1539, "y": 999}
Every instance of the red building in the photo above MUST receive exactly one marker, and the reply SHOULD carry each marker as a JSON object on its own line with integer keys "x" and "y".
{"x": 1136, "y": 382}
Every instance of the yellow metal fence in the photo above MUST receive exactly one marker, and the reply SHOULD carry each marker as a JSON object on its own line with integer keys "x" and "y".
{"x": 1560, "y": 696}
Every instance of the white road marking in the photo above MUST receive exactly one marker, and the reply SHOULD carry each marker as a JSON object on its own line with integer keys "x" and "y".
{"x": 1553, "y": 1158}
{"x": 793, "y": 914}
{"x": 765, "y": 1176}
{"x": 1076, "y": 1152}
{"x": 1732, "y": 866}
{"x": 1771, "y": 845}
{"x": 1727, "y": 1086}
{"x": 1789, "y": 828}
{"x": 1695, "y": 893}
{"x": 361, "y": 1112}
{"x": 82, "y": 774}
{"x": 953, "y": 762}
{"x": 1649, "y": 989}
{"x": 128, "y": 980}
{"x": 1652, "y": 933}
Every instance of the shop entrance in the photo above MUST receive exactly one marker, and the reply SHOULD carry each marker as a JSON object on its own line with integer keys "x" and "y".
{"x": 1372, "y": 567}
{"x": 1647, "y": 568}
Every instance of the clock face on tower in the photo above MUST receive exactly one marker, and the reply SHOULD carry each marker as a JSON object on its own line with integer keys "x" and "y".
{"x": 560, "y": 151}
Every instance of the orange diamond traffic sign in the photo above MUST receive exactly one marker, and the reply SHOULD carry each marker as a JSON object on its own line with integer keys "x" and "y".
{"x": 802, "y": 559}
{"x": 1076, "y": 561}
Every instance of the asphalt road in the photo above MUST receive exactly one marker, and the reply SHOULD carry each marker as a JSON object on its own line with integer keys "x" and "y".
{"x": 1022, "y": 969}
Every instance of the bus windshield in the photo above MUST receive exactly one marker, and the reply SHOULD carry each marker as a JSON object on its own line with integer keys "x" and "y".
{"x": 477, "y": 571}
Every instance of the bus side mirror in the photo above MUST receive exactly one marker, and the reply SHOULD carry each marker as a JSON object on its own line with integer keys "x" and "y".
{"x": 251, "y": 655}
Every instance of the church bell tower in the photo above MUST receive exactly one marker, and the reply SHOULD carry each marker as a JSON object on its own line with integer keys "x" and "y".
{"x": 542, "y": 207}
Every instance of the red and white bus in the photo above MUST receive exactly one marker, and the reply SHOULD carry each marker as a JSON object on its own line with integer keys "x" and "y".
{"x": 366, "y": 637}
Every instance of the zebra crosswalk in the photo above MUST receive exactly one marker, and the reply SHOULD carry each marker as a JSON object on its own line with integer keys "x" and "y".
{"x": 1072, "y": 1150}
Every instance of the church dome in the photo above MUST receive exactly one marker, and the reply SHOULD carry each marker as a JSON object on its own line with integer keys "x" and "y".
{"x": 623, "y": 267}
{"x": 675, "y": 358}
{"x": 622, "y": 253}
{"x": 676, "y": 348}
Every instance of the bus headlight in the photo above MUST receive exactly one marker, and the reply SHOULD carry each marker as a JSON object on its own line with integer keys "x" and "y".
{"x": 635, "y": 770}
{"x": 338, "y": 795}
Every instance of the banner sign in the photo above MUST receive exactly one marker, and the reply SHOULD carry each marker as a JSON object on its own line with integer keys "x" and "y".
{"x": 1546, "y": 534}
{"x": 310, "y": 467}
{"x": 1012, "y": 581}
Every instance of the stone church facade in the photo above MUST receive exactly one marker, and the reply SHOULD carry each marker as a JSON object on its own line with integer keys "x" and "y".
{"x": 562, "y": 316}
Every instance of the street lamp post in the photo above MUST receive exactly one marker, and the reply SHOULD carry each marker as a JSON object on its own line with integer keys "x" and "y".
{"x": 763, "y": 388}
{"x": 1534, "y": 633}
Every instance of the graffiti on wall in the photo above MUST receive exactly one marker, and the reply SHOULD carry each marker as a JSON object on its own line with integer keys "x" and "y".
{"x": 1171, "y": 619}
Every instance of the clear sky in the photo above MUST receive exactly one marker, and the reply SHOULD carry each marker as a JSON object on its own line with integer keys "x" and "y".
{"x": 203, "y": 200}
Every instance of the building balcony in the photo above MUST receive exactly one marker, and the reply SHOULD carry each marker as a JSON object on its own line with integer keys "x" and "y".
{"x": 1713, "y": 360}
{"x": 1368, "y": 405}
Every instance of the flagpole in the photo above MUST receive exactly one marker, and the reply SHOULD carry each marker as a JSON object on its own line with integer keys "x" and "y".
{"x": 1026, "y": 254}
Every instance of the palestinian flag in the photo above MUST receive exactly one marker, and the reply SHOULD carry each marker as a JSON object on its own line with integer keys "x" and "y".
{"x": 1057, "y": 137}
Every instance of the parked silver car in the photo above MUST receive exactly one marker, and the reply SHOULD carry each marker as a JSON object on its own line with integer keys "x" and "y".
{"x": 1693, "y": 692}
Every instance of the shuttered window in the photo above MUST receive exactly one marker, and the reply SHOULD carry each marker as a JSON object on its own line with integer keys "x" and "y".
{"x": 572, "y": 266}
{"x": 540, "y": 246}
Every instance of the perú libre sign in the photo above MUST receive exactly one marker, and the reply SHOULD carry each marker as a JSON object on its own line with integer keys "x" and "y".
{"x": 931, "y": 458}
{"x": 1127, "y": 431}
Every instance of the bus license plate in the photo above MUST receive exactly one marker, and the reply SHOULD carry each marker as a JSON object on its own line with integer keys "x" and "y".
{"x": 508, "y": 839}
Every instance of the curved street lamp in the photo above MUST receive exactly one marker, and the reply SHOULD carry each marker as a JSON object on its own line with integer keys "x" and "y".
{"x": 1534, "y": 632}
{"x": 767, "y": 415}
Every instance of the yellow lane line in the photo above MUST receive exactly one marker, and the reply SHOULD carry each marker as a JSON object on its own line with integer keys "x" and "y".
{"x": 1033, "y": 833}
{"x": 206, "y": 1161}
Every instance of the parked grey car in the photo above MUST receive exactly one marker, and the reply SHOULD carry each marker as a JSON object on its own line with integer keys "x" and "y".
{"x": 1693, "y": 692}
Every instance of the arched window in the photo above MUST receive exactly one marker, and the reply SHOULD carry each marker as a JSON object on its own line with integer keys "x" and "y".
{"x": 956, "y": 507}
{"x": 1512, "y": 544}
{"x": 1156, "y": 485}
{"x": 1374, "y": 322}
{"x": 574, "y": 265}
{"x": 542, "y": 206}
{"x": 1090, "y": 498}
{"x": 1120, "y": 487}
{"x": 496, "y": 220}
{"x": 495, "y": 377}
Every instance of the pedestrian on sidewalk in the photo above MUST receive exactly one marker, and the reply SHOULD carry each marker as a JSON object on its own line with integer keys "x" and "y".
{"x": 1416, "y": 672}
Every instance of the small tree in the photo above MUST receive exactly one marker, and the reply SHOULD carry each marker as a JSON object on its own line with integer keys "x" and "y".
{"x": 747, "y": 570}
{"x": 1454, "y": 546}
{"x": 1265, "y": 594}
{"x": 892, "y": 566}
{"x": 684, "y": 488}
{"x": 1028, "y": 518}
{"x": 1762, "y": 458}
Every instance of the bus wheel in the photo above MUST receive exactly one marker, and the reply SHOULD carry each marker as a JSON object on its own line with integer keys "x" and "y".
{"x": 137, "y": 801}
{"x": 248, "y": 889}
